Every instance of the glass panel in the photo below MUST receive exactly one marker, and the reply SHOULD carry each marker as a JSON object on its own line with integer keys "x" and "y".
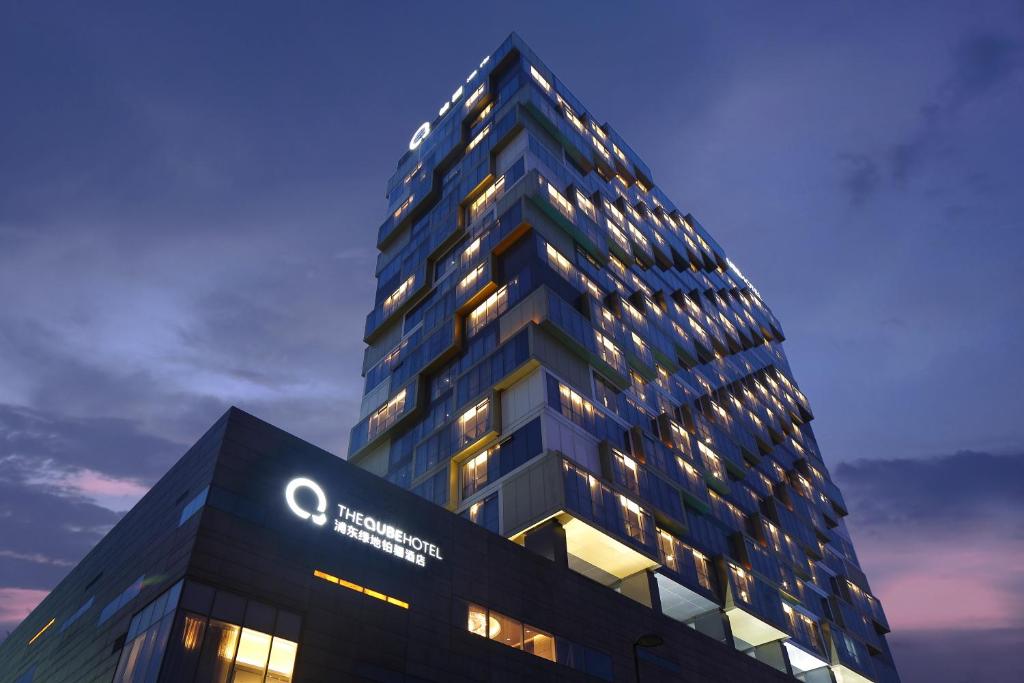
{"x": 148, "y": 640}
{"x": 163, "y": 631}
{"x": 539, "y": 643}
{"x": 477, "y": 620}
{"x": 218, "y": 652}
{"x": 251, "y": 662}
{"x": 282, "y": 660}
{"x": 129, "y": 660}
{"x": 505, "y": 630}
{"x": 184, "y": 649}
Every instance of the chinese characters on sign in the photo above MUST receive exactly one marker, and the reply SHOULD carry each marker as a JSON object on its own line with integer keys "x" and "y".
{"x": 358, "y": 526}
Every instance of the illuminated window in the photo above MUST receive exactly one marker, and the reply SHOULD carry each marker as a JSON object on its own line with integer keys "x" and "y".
{"x": 252, "y": 657}
{"x": 626, "y": 471}
{"x": 484, "y": 113}
{"x": 574, "y": 406}
{"x": 618, "y": 236}
{"x": 586, "y": 205}
{"x": 482, "y": 203}
{"x": 405, "y": 205}
{"x": 473, "y": 422}
{"x": 479, "y": 136}
{"x": 561, "y": 202}
{"x": 399, "y": 295}
{"x": 470, "y": 279}
{"x": 600, "y": 148}
{"x": 489, "y": 310}
{"x": 711, "y": 461}
{"x": 608, "y": 352}
{"x": 475, "y": 96}
{"x": 538, "y": 643}
{"x": 559, "y": 262}
{"x": 386, "y": 415}
{"x": 505, "y": 630}
{"x": 471, "y": 250}
{"x": 541, "y": 81}
{"x": 631, "y": 517}
{"x": 474, "y": 474}
{"x": 599, "y": 131}
{"x": 743, "y": 583}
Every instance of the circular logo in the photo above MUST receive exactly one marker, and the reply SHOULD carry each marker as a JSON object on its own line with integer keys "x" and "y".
{"x": 420, "y": 135}
{"x": 321, "y": 500}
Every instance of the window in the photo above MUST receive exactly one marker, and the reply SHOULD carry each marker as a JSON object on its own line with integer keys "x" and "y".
{"x": 474, "y": 474}
{"x": 541, "y": 81}
{"x": 146, "y": 641}
{"x": 484, "y": 512}
{"x": 538, "y": 643}
{"x": 561, "y": 203}
{"x": 504, "y": 629}
{"x": 608, "y": 352}
{"x": 479, "y": 137}
{"x": 743, "y": 583}
{"x": 475, "y": 96}
{"x": 252, "y": 656}
{"x": 193, "y": 506}
{"x": 471, "y": 279}
{"x": 586, "y": 205}
{"x": 625, "y": 471}
{"x": 632, "y": 518}
{"x": 488, "y": 311}
{"x": 606, "y": 394}
{"x": 386, "y": 415}
{"x": 399, "y": 295}
{"x": 711, "y": 461}
{"x": 482, "y": 203}
{"x": 473, "y": 422}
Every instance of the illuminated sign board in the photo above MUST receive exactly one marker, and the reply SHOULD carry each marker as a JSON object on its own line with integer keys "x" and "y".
{"x": 359, "y": 525}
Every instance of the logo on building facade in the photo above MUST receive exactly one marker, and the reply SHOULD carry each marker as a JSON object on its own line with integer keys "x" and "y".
{"x": 359, "y": 526}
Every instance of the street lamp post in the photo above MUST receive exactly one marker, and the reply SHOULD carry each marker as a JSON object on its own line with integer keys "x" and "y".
{"x": 646, "y": 640}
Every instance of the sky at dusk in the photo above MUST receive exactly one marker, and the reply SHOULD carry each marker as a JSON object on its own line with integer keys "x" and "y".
{"x": 190, "y": 195}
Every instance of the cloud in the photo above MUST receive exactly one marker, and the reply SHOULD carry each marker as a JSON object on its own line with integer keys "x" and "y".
{"x": 941, "y": 542}
{"x": 15, "y": 605}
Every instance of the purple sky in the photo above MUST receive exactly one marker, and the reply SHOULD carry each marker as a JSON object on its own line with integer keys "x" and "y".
{"x": 189, "y": 200}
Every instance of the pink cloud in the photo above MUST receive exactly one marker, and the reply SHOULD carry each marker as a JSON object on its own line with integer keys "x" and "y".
{"x": 16, "y": 603}
{"x": 94, "y": 484}
{"x": 952, "y": 583}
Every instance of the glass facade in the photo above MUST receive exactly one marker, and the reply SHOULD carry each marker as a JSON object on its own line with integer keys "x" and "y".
{"x": 532, "y": 271}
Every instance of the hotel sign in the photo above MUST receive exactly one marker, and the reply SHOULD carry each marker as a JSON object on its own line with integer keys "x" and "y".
{"x": 360, "y": 526}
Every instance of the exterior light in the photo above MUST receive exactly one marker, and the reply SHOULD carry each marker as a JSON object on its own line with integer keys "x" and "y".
{"x": 420, "y": 135}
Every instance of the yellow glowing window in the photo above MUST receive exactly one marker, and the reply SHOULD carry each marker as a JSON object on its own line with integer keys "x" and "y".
{"x": 475, "y": 96}
{"x": 386, "y": 415}
{"x": 612, "y": 211}
{"x": 586, "y": 205}
{"x": 484, "y": 113}
{"x": 608, "y": 351}
{"x": 405, "y": 205}
{"x": 470, "y": 279}
{"x": 472, "y": 249}
{"x": 559, "y": 262}
{"x": 474, "y": 474}
{"x": 485, "y": 200}
{"x": 479, "y": 136}
{"x": 561, "y": 202}
{"x": 399, "y": 295}
{"x": 489, "y": 310}
{"x": 358, "y": 589}
{"x": 600, "y": 148}
{"x": 541, "y": 81}
{"x": 599, "y": 131}
{"x": 473, "y": 422}
{"x": 643, "y": 188}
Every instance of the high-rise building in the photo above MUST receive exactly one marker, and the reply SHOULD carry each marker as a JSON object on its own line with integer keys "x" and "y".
{"x": 561, "y": 354}
{"x": 564, "y": 361}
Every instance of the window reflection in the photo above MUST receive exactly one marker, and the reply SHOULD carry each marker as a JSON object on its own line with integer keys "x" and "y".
{"x": 218, "y": 652}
